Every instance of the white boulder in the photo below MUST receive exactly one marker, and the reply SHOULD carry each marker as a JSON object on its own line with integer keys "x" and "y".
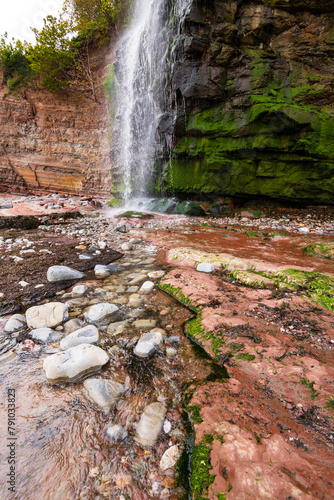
{"x": 86, "y": 335}
{"x": 148, "y": 343}
{"x": 100, "y": 312}
{"x": 15, "y": 323}
{"x": 63, "y": 273}
{"x": 49, "y": 315}
{"x": 73, "y": 364}
{"x": 104, "y": 393}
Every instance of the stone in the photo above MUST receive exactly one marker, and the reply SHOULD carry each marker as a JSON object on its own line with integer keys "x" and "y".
{"x": 148, "y": 343}
{"x": 86, "y": 335}
{"x": 103, "y": 392}
{"x": 174, "y": 339}
{"x": 126, "y": 247}
{"x": 137, "y": 279}
{"x": 251, "y": 279}
{"x": 63, "y": 273}
{"x": 169, "y": 458}
{"x": 121, "y": 228}
{"x": 75, "y": 363}
{"x": 102, "y": 245}
{"x": 171, "y": 352}
{"x": 8, "y": 357}
{"x": 147, "y": 287}
{"x": 23, "y": 284}
{"x": 144, "y": 323}
{"x": 116, "y": 432}
{"x": 102, "y": 273}
{"x": 156, "y": 275}
{"x": 150, "y": 425}
{"x": 100, "y": 312}
{"x": 45, "y": 335}
{"x": 205, "y": 267}
{"x": 132, "y": 289}
{"x": 115, "y": 329}
{"x": 135, "y": 302}
{"x": 15, "y": 323}
{"x": 50, "y": 315}
{"x": 79, "y": 291}
{"x": 72, "y": 325}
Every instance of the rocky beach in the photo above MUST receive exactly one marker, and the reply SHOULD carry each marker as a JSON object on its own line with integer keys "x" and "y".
{"x": 155, "y": 354}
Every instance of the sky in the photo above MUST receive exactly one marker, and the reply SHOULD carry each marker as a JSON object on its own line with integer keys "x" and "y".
{"x": 17, "y": 16}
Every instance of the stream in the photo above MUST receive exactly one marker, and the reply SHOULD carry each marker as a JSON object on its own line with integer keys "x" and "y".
{"x": 62, "y": 450}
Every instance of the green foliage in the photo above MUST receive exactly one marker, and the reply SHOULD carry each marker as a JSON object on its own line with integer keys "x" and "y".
{"x": 14, "y": 63}
{"x": 100, "y": 14}
{"x": 52, "y": 56}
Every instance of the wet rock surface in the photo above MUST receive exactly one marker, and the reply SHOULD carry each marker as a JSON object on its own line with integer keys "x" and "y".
{"x": 271, "y": 420}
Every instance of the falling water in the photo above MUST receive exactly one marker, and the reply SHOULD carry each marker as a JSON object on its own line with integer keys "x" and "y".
{"x": 142, "y": 95}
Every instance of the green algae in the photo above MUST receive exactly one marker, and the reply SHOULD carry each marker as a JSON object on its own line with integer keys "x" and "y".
{"x": 281, "y": 145}
{"x": 200, "y": 478}
{"x": 194, "y": 327}
{"x": 310, "y": 385}
{"x": 195, "y": 414}
{"x": 320, "y": 250}
{"x": 330, "y": 403}
{"x": 245, "y": 356}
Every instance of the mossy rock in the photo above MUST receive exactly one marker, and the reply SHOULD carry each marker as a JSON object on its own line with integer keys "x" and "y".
{"x": 190, "y": 208}
{"x": 322, "y": 250}
{"x": 253, "y": 280}
{"x": 115, "y": 203}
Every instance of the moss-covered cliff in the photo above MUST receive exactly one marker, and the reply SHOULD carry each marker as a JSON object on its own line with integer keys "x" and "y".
{"x": 255, "y": 98}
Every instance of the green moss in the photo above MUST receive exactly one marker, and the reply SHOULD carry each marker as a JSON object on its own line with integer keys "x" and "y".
{"x": 195, "y": 414}
{"x": 309, "y": 385}
{"x": 281, "y": 145}
{"x": 245, "y": 356}
{"x": 258, "y": 439}
{"x": 208, "y": 438}
{"x": 200, "y": 477}
{"x": 320, "y": 250}
{"x": 115, "y": 203}
{"x": 330, "y": 403}
{"x": 194, "y": 327}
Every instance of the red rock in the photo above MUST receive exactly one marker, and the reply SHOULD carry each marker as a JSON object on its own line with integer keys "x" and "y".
{"x": 234, "y": 386}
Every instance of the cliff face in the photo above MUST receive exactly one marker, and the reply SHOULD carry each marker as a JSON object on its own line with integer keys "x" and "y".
{"x": 56, "y": 142}
{"x": 255, "y": 103}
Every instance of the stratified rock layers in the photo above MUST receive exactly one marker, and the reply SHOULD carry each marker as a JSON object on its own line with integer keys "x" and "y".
{"x": 254, "y": 85}
{"x": 56, "y": 142}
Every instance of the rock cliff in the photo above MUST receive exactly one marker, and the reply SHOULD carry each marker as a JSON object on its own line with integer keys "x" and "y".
{"x": 255, "y": 100}
{"x": 56, "y": 142}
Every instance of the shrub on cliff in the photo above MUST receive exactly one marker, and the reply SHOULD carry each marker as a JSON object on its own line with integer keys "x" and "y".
{"x": 14, "y": 63}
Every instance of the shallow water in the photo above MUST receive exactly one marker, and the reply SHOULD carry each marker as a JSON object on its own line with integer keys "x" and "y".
{"x": 61, "y": 449}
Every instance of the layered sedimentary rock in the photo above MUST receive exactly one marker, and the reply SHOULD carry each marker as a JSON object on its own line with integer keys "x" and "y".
{"x": 56, "y": 142}
{"x": 255, "y": 101}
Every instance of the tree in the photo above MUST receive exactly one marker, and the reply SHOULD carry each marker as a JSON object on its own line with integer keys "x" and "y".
{"x": 14, "y": 63}
{"x": 99, "y": 13}
{"x": 52, "y": 56}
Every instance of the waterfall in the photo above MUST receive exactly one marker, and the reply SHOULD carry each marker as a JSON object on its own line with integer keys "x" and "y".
{"x": 142, "y": 93}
